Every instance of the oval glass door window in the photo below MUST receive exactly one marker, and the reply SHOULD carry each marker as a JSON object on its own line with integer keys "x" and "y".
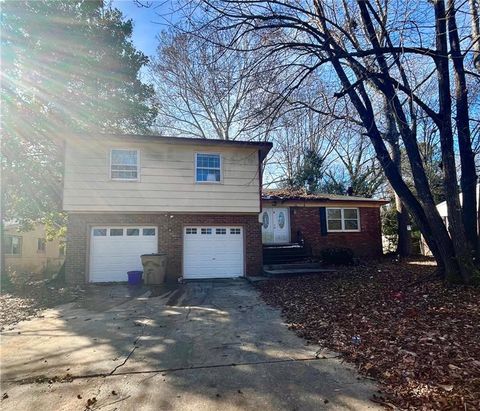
{"x": 265, "y": 220}
{"x": 281, "y": 219}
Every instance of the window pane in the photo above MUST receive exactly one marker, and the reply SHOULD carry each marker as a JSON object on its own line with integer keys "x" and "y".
{"x": 126, "y": 175}
{"x": 351, "y": 224}
{"x": 8, "y": 244}
{"x": 133, "y": 232}
{"x": 13, "y": 245}
{"x": 334, "y": 224}
{"x": 17, "y": 245}
{"x": 41, "y": 244}
{"x": 208, "y": 167}
{"x": 124, "y": 157}
{"x": 334, "y": 213}
{"x": 116, "y": 232}
{"x": 61, "y": 249}
{"x": 99, "y": 232}
{"x": 148, "y": 231}
{"x": 124, "y": 164}
{"x": 350, "y": 213}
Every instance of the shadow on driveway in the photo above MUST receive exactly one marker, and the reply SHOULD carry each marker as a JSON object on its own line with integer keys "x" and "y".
{"x": 197, "y": 346}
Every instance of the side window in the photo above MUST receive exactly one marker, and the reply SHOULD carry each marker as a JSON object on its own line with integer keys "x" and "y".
{"x": 13, "y": 245}
{"x": 41, "y": 245}
{"x": 208, "y": 168}
{"x": 61, "y": 249}
{"x": 124, "y": 164}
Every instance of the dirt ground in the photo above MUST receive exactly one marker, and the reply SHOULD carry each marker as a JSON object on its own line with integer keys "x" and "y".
{"x": 24, "y": 301}
{"x": 419, "y": 338}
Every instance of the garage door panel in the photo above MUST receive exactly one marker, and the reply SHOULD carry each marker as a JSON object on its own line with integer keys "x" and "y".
{"x": 112, "y": 256}
{"x": 219, "y": 254}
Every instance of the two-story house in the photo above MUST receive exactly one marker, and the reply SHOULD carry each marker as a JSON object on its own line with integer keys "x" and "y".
{"x": 200, "y": 202}
{"x": 197, "y": 200}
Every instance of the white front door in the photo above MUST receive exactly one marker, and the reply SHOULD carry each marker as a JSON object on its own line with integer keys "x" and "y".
{"x": 212, "y": 252}
{"x": 275, "y": 225}
{"x": 116, "y": 250}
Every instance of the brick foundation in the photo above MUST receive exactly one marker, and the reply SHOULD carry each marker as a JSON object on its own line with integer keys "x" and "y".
{"x": 365, "y": 243}
{"x": 170, "y": 238}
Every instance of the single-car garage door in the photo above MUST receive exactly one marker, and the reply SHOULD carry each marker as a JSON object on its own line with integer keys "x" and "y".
{"x": 116, "y": 250}
{"x": 212, "y": 252}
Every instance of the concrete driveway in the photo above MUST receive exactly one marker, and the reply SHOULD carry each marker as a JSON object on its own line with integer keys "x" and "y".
{"x": 198, "y": 346}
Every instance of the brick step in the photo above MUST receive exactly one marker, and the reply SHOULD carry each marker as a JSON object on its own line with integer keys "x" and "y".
{"x": 284, "y": 253}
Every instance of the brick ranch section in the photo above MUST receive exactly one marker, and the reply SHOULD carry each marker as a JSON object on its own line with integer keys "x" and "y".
{"x": 170, "y": 238}
{"x": 365, "y": 243}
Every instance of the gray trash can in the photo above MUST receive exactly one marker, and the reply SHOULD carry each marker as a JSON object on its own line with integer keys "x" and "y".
{"x": 154, "y": 267}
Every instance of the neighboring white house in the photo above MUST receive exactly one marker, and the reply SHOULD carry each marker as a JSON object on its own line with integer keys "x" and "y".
{"x": 443, "y": 211}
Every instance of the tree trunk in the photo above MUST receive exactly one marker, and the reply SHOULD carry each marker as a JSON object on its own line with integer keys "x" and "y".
{"x": 468, "y": 177}
{"x": 441, "y": 247}
{"x": 404, "y": 242}
{"x": 3, "y": 268}
{"x": 455, "y": 219}
{"x": 474, "y": 7}
{"x": 434, "y": 224}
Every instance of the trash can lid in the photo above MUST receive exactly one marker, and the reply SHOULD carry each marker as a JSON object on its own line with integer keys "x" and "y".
{"x": 153, "y": 254}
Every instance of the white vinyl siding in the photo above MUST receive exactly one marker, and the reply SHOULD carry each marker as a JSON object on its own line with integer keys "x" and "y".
{"x": 213, "y": 252}
{"x": 114, "y": 251}
{"x": 343, "y": 219}
{"x": 166, "y": 180}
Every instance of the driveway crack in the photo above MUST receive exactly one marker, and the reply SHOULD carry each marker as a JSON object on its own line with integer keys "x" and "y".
{"x": 135, "y": 346}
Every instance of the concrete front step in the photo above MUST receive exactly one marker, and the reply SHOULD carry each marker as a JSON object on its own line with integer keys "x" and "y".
{"x": 284, "y": 270}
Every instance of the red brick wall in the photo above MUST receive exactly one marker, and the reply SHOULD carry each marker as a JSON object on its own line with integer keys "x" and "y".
{"x": 366, "y": 243}
{"x": 170, "y": 238}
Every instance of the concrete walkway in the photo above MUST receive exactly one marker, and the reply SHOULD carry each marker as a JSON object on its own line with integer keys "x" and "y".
{"x": 198, "y": 346}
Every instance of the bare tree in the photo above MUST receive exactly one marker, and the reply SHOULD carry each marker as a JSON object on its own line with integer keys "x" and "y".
{"x": 359, "y": 167}
{"x": 405, "y": 65}
{"x": 205, "y": 90}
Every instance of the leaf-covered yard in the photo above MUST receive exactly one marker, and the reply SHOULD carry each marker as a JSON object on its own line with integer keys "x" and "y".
{"x": 419, "y": 338}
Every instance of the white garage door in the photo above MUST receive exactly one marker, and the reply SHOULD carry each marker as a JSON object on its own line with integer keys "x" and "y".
{"x": 116, "y": 250}
{"x": 212, "y": 252}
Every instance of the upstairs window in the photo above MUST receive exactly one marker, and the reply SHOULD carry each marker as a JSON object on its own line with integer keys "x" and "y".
{"x": 13, "y": 245}
{"x": 343, "y": 219}
{"x": 124, "y": 165}
{"x": 208, "y": 168}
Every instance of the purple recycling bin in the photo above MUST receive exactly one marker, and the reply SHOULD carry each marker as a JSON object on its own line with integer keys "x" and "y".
{"x": 134, "y": 277}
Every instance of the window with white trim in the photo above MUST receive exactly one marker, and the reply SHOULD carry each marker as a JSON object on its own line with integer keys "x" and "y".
{"x": 13, "y": 245}
{"x": 208, "y": 168}
{"x": 343, "y": 219}
{"x": 124, "y": 164}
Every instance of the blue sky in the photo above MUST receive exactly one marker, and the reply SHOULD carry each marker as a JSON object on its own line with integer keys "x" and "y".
{"x": 148, "y": 22}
